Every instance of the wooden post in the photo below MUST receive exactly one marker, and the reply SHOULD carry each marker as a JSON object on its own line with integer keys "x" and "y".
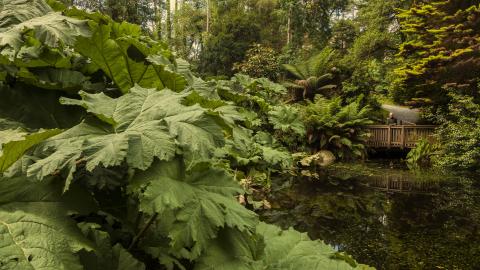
{"x": 389, "y": 136}
{"x": 402, "y": 145}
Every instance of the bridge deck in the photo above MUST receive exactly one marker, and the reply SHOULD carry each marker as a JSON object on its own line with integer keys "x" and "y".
{"x": 398, "y": 136}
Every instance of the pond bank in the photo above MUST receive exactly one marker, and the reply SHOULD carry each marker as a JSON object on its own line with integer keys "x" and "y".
{"x": 422, "y": 221}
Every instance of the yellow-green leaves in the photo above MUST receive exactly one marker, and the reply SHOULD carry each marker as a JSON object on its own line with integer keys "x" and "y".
{"x": 14, "y": 143}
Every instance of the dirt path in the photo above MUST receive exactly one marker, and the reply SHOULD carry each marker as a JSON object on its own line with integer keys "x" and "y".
{"x": 403, "y": 113}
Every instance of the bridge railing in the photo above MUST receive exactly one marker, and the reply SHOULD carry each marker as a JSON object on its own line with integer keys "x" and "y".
{"x": 398, "y": 136}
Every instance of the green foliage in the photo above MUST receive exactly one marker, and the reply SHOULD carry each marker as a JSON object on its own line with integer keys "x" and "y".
{"x": 291, "y": 249}
{"x": 251, "y": 150}
{"x": 440, "y": 50}
{"x": 259, "y": 62}
{"x": 459, "y": 135}
{"x": 287, "y": 119}
{"x": 128, "y": 59}
{"x": 311, "y": 20}
{"x": 189, "y": 26}
{"x": 421, "y": 155}
{"x": 28, "y": 24}
{"x": 313, "y": 76}
{"x": 134, "y": 180}
{"x": 35, "y": 108}
{"x": 106, "y": 256}
{"x": 36, "y": 232}
{"x": 14, "y": 143}
{"x": 368, "y": 44}
{"x": 335, "y": 127}
{"x": 198, "y": 206}
{"x": 228, "y": 43}
{"x": 283, "y": 250}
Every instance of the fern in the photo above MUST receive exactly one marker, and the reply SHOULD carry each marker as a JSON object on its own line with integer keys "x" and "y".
{"x": 336, "y": 127}
{"x": 314, "y": 75}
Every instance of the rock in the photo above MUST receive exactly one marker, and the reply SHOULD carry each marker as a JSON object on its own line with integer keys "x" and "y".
{"x": 322, "y": 158}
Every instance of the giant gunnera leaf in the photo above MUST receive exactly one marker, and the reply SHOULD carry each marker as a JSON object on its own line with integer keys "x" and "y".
{"x": 232, "y": 250}
{"x": 287, "y": 118}
{"x": 194, "y": 205}
{"x": 105, "y": 256}
{"x": 279, "y": 250}
{"x": 35, "y": 230}
{"x": 135, "y": 128}
{"x": 128, "y": 59}
{"x": 14, "y": 143}
{"x": 290, "y": 249}
{"x": 48, "y": 27}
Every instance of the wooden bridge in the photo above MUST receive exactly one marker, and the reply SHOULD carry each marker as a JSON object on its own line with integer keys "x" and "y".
{"x": 402, "y": 184}
{"x": 398, "y": 136}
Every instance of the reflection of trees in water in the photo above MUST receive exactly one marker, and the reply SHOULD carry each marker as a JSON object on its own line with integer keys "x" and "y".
{"x": 388, "y": 230}
{"x": 440, "y": 230}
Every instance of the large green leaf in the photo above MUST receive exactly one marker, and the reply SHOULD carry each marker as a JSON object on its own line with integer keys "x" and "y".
{"x": 279, "y": 250}
{"x": 35, "y": 229}
{"x": 105, "y": 255}
{"x": 35, "y": 108}
{"x": 14, "y": 12}
{"x": 128, "y": 61}
{"x": 287, "y": 118}
{"x": 55, "y": 79}
{"x": 136, "y": 128}
{"x": 232, "y": 250}
{"x": 290, "y": 249}
{"x": 199, "y": 203}
{"x": 50, "y": 28}
{"x": 14, "y": 143}
{"x": 38, "y": 236}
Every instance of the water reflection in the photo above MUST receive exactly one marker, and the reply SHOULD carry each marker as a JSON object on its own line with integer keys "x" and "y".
{"x": 387, "y": 217}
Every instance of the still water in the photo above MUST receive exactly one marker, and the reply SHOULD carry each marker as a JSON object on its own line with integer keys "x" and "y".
{"x": 386, "y": 216}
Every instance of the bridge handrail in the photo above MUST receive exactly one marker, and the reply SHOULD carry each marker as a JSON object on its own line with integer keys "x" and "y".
{"x": 402, "y": 136}
{"x": 400, "y": 126}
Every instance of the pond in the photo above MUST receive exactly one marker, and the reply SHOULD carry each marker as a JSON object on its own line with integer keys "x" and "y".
{"x": 385, "y": 216}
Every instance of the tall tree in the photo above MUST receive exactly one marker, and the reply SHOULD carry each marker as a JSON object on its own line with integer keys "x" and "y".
{"x": 157, "y": 24}
{"x": 168, "y": 21}
{"x": 441, "y": 50}
{"x": 368, "y": 36}
{"x": 310, "y": 20}
{"x": 189, "y": 28}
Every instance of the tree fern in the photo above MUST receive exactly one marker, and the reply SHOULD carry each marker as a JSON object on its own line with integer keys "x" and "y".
{"x": 337, "y": 127}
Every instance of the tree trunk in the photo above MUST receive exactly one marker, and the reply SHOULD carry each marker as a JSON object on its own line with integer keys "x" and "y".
{"x": 208, "y": 17}
{"x": 289, "y": 26}
{"x": 169, "y": 20}
{"x": 157, "y": 31}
